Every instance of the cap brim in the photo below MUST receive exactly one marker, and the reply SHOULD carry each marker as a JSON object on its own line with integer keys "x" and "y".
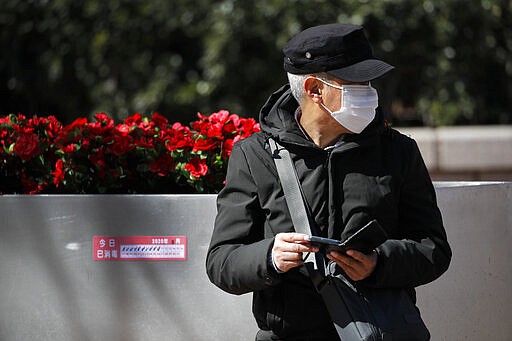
{"x": 364, "y": 71}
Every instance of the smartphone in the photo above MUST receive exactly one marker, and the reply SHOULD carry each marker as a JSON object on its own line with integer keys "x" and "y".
{"x": 365, "y": 240}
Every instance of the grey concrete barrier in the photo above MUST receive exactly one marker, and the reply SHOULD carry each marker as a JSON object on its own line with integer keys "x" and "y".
{"x": 473, "y": 300}
{"x": 465, "y": 152}
{"x": 53, "y": 289}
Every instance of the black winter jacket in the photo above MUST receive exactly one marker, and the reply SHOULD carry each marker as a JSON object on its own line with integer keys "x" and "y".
{"x": 378, "y": 174}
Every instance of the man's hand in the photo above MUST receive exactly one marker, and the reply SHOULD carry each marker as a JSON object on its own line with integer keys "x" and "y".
{"x": 356, "y": 265}
{"x": 288, "y": 249}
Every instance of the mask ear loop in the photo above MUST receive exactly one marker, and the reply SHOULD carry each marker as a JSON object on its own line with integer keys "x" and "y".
{"x": 340, "y": 87}
{"x": 333, "y": 86}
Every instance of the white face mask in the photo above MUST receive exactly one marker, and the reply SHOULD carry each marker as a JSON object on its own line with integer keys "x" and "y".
{"x": 358, "y": 104}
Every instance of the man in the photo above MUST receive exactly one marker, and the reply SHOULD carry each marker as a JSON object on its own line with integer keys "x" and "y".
{"x": 352, "y": 168}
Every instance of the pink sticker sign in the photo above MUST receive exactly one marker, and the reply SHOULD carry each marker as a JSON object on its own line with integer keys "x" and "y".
{"x": 120, "y": 248}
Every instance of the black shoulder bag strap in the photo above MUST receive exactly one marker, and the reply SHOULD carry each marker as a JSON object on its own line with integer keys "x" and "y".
{"x": 293, "y": 195}
{"x": 291, "y": 188}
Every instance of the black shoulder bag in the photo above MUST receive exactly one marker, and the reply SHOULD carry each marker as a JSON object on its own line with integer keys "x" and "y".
{"x": 358, "y": 313}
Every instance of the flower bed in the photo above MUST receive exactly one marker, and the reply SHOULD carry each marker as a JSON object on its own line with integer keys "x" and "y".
{"x": 139, "y": 155}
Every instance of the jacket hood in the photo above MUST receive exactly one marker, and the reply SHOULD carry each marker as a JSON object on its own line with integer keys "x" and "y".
{"x": 277, "y": 119}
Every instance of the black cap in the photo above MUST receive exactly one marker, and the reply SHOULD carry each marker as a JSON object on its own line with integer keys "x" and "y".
{"x": 341, "y": 50}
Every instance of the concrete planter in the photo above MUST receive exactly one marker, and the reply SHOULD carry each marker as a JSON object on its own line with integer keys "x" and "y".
{"x": 53, "y": 289}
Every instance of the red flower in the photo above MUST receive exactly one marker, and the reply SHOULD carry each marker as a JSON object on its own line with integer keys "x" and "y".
{"x": 122, "y": 145}
{"x": 207, "y": 129}
{"x": 197, "y": 167}
{"x": 78, "y": 123}
{"x": 98, "y": 160}
{"x": 29, "y": 185}
{"x": 227, "y": 147}
{"x": 145, "y": 142}
{"x": 205, "y": 144}
{"x": 85, "y": 144}
{"x": 133, "y": 120}
{"x": 53, "y": 127}
{"x": 102, "y": 126}
{"x": 5, "y": 120}
{"x": 178, "y": 137}
{"x": 23, "y": 129}
{"x": 229, "y": 128}
{"x": 123, "y": 129}
{"x": 27, "y": 146}
{"x": 159, "y": 120}
{"x": 104, "y": 119}
{"x": 220, "y": 116}
{"x": 145, "y": 126}
{"x": 163, "y": 165}
{"x": 70, "y": 148}
{"x": 248, "y": 126}
{"x": 68, "y": 133}
{"x": 58, "y": 174}
{"x": 211, "y": 126}
{"x": 4, "y": 123}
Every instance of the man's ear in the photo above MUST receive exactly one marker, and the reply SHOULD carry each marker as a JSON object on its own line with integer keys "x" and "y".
{"x": 313, "y": 89}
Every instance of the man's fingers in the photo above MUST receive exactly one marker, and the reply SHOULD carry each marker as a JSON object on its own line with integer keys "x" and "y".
{"x": 288, "y": 250}
{"x": 356, "y": 265}
{"x": 287, "y": 260}
{"x": 292, "y": 237}
{"x": 292, "y": 247}
{"x": 288, "y": 265}
{"x": 352, "y": 257}
{"x": 289, "y": 256}
{"x": 359, "y": 256}
{"x": 338, "y": 256}
{"x": 293, "y": 242}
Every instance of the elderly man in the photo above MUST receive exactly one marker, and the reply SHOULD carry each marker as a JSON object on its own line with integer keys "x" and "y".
{"x": 353, "y": 168}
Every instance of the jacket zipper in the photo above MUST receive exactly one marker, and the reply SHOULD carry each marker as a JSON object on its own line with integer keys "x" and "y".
{"x": 347, "y": 146}
{"x": 330, "y": 199}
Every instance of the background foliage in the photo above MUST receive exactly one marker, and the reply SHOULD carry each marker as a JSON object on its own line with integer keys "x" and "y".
{"x": 60, "y": 57}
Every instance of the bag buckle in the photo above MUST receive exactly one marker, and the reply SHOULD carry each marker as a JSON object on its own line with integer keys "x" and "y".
{"x": 326, "y": 280}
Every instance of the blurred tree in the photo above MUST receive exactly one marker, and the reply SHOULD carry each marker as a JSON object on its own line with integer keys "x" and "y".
{"x": 74, "y": 57}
